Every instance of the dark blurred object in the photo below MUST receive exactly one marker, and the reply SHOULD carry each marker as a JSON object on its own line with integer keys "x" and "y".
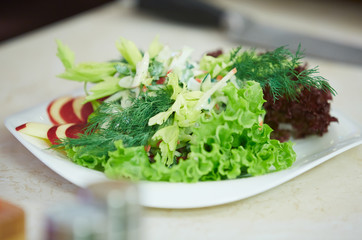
{"x": 188, "y": 11}
{"x": 245, "y": 29}
{"x": 21, "y": 16}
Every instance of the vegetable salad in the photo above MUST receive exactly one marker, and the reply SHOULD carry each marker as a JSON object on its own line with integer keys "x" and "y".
{"x": 161, "y": 116}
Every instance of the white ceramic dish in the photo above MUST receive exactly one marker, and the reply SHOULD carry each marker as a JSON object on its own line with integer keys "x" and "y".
{"x": 311, "y": 152}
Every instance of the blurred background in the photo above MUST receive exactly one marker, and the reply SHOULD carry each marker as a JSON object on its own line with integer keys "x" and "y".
{"x": 20, "y": 16}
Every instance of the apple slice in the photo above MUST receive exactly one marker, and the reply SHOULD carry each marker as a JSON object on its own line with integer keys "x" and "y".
{"x": 52, "y": 136}
{"x": 74, "y": 130}
{"x": 34, "y": 129}
{"x": 54, "y": 107}
{"x": 77, "y": 106}
{"x": 67, "y": 112}
{"x": 70, "y": 130}
{"x": 82, "y": 110}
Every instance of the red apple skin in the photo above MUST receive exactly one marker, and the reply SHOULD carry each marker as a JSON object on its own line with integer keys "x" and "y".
{"x": 70, "y": 130}
{"x": 52, "y": 136}
{"x": 34, "y": 129}
{"x": 77, "y": 106}
{"x": 86, "y": 110}
{"x": 22, "y": 126}
{"x": 67, "y": 112}
{"x": 54, "y": 107}
{"x": 50, "y": 115}
{"x": 74, "y": 130}
{"x": 82, "y": 110}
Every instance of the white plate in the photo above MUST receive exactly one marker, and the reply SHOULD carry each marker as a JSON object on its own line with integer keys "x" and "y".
{"x": 311, "y": 152}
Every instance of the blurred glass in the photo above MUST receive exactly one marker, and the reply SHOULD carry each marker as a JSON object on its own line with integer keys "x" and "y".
{"x": 75, "y": 221}
{"x": 120, "y": 201}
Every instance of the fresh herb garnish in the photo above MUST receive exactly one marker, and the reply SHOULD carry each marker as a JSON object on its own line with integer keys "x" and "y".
{"x": 111, "y": 123}
{"x": 156, "y": 69}
{"x": 124, "y": 70}
{"x": 277, "y": 71}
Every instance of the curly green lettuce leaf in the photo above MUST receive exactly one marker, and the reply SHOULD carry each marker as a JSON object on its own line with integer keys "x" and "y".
{"x": 224, "y": 145}
{"x": 133, "y": 163}
{"x": 90, "y": 159}
{"x": 126, "y": 162}
{"x": 235, "y": 141}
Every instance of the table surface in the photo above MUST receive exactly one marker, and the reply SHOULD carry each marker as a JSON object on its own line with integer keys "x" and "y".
{"x": 323, "y": 203}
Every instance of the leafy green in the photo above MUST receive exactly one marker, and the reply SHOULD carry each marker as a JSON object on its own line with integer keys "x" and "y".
{"x": 215, "y": 66}
{"x": 124, "y": 70}
{"x": 126, "y": 162}
{"x": 93, "y": 159}
{"x": 224, "y": 145}
{"x": 65, "y": 55}
{"x": 234, "y": 141}
{"x": 111, "y": 122}
{"x": 107, "y": 87}
{"x": 133, "y": 163}
{"x": 169, "y": 136}
{"x": 141, "y": 77}
{"x": 84, "y": 72}
{"x": 89, "y": 72}
{"x": 184, "y": 106}
{"x": 186, "y": 129}
{"x": 155, "y": 47}
{"x": 156, "y": 69}
{"x": 129, "y": 51}
{"x": 277, "y": 69}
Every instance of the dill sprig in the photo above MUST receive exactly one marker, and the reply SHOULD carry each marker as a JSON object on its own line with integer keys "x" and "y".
{"x": 279, "y": 70}
{"x": 110, "y": 122}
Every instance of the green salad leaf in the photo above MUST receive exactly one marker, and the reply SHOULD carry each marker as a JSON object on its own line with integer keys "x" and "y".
{"x": 224, "y": 145}
{"x": 65, "y": 55}
{"x": 160, "y": 116}
{"x": 155, "y": 47}
{"x": 107, "y": 87}
{"x": 235, "y": 141}
{"x": 216, "y": 66}
{"x": 129, "y": 51}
